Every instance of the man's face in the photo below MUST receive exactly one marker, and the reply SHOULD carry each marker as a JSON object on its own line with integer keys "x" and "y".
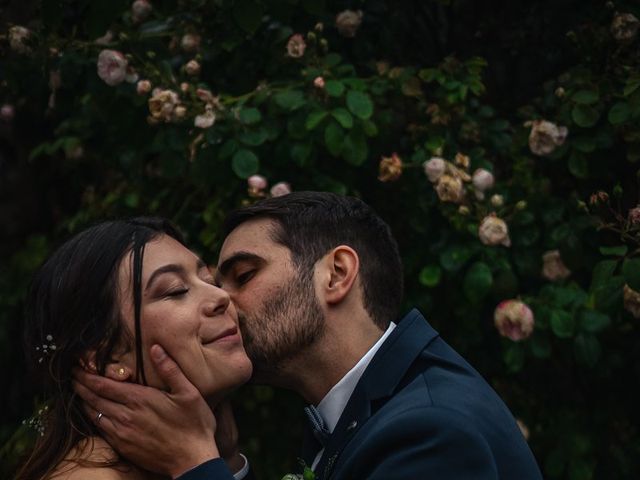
{"x": 277, "y": 307}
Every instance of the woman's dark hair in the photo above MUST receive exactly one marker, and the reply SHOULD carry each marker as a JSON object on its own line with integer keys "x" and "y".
{"x": 73, "y": 309}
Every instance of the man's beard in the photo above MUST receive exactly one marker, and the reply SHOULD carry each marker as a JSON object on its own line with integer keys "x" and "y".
{"x": 285, "y": 325}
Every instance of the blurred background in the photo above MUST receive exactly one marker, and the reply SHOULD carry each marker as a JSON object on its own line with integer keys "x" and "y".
{"x": 499, "y": 139}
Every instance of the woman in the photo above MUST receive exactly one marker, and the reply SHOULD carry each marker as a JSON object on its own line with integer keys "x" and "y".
{"x": 101, "y": 300}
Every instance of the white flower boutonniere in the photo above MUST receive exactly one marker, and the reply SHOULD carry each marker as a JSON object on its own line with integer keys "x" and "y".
{"x": 307, "y": 473}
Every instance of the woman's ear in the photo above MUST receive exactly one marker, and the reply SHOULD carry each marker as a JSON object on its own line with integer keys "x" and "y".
{"x": 118, "y": 370}
{"x": 343, "y": 265}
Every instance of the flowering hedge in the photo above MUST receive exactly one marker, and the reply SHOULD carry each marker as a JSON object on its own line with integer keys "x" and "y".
{"x": 503, "y": 154}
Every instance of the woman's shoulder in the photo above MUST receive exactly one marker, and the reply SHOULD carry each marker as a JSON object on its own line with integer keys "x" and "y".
{"x": 94, "y": 458}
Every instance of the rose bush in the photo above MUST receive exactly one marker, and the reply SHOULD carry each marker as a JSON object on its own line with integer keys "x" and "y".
{"x": 503, "y": 155}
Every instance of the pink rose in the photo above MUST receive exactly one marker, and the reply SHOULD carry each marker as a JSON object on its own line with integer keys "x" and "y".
{"x": 7, "y": 112}
{"x": 280, "y": 189}
{"x": 257, "y": 182}
{"x": 140, "y": 10}
{"x": 545, "y": 136}
{"x": 318, "y": 82}
{"x": 514, "y": 320}
{"x": 553, "y": 267}
{"x": 494, "y": 231}
{"x": 296, "y": 46}
{"x": 143, "y": 87}
{"x": 348, "y": 22}
{"x": 434, "y": 168}
{"x": 112, "y": 67}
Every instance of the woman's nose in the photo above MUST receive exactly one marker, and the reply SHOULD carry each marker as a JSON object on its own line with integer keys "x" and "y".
{"x": 217, "y": 302}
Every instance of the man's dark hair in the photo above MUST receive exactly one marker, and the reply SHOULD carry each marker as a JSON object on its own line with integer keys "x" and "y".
{"x": 310, "y": 224}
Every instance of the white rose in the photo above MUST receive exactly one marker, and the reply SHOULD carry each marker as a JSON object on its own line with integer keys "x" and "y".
{"x": 348, "y": 22}
{"x": 553, "y": 267}
{"x": 545, "y": 137}
{"x": 280, "y": 189}
{"x": 434, "y": 168}
{"x": 18, "y": 39}
{"x": 205, "y": 120}
{"x": 112, "y": 67}
{"x": 494, "y": 231}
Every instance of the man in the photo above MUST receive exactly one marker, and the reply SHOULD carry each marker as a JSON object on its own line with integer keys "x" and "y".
{"x": 317, "y": 279}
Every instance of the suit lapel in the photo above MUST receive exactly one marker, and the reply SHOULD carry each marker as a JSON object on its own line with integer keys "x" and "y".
{"x": 378, "y": 383}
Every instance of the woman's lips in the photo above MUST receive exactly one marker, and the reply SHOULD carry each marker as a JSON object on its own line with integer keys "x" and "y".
{"x": 230, "y": 334}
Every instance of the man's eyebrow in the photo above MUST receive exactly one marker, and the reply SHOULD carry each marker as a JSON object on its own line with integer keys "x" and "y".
{"x": 228, "y": 264}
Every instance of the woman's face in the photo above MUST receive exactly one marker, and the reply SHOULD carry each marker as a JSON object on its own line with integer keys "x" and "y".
{"x": 191, "y": 318}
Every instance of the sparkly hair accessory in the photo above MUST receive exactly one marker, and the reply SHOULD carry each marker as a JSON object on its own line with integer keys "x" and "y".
{"x": 37, "y": 422}
{"x": 47, "y": 348}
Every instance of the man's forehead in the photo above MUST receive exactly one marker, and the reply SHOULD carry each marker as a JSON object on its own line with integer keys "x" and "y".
{"x": 252, "y": 234}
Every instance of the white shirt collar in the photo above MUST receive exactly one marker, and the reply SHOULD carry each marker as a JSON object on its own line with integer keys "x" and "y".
{"x": 334, "y": 402}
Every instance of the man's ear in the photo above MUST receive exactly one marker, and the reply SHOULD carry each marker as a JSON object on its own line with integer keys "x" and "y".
{"x": 342, "y": 266}
{"x": 118, "y": 370}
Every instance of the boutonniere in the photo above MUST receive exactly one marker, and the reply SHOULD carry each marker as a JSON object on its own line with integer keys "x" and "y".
{"x": 307, "y": 473}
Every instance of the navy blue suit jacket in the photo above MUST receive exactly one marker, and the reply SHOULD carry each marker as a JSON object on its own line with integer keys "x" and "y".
{"x": 420, "y": 411}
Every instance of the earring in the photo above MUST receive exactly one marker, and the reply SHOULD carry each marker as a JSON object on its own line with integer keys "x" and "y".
{"x": 121, "y": 371}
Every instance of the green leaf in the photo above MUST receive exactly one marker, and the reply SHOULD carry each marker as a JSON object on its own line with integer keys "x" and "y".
{"x": 248, "y": 14}
{"x": 430, "y": 275}
{"x": 228, "y": 149}
{"x": 586, "y": 97}
{"x": 631, "y": 272}
{"x": 584, "y": 144}
{"x": 289, "y": 99}
{"x": 593, "y": 322}
{"x": 334, "y": 138}
{"x": 540, "y": 346}
{"x": 314, "y": 119}
{"x": 477, "y": 281}
{"x": 254, "y": 138}
{"x": 359, "y": 104}
{"x": 245, "y": 163}
{"x": 619, "y": 113}
{"x": 584, "y": 116}
{"x": 250, "y": 116}
{"x": 514, "y": 357}
{"x": 578, "y": 165}
{"x": 587, "y": 350}
{"x": 631, "y": 86}
{"x": 355, "y": 148}
{"x": 602, "y": 272}
{"x": 369, "y": 128}
{"x": 562, "y": 323}
{"x": 608, "y": 296}
{"x": 454, "y": 257}
{"x": 617, "y": 251}
{"x": 300, "y": 153}
{"x": 334, "y": 88}
{"x": 343, "y": 117}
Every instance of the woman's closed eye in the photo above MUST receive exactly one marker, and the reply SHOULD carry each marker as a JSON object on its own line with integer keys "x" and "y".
{"x": 176, "y": 291}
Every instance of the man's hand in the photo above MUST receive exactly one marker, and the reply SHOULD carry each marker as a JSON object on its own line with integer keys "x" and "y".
{"x": 165, "y": 432}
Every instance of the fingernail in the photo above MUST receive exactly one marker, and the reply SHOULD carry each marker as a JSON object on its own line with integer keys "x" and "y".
{"x": 158, "y": 353}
